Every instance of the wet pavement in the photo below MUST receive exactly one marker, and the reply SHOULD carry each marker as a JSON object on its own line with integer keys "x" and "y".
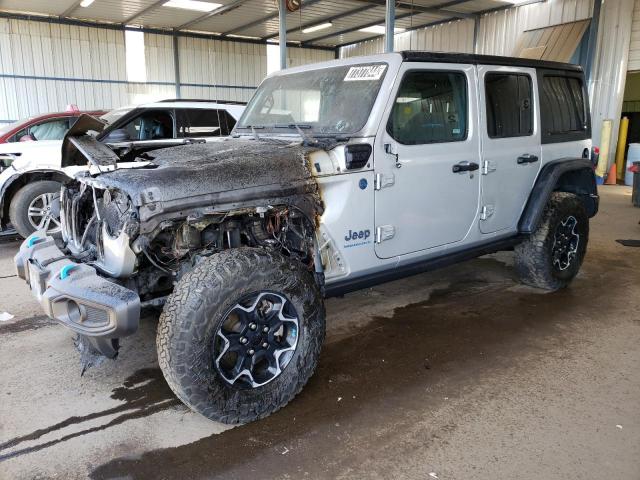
{"x": 456, "y": 374}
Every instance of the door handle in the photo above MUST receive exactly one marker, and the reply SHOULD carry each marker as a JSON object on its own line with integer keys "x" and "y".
{"x": 465, "y": 167}
{"x": 527, "y": 158}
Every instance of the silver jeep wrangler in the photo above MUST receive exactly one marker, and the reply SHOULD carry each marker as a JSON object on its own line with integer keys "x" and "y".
{"x": 339, "y": 176}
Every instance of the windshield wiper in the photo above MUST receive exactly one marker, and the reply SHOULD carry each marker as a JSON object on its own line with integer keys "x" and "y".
{"x": 293, "y": 125}
{"x": 307, "y": 139}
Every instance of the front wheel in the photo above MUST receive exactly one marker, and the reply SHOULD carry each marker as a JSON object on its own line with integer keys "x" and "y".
{"x": 552, "y": 256}
{"x": 36, "y": 206}
{"x": 241, "y": 334}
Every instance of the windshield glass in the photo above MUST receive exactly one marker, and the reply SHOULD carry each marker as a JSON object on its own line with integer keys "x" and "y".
{"x": 114, "y": 115}
{"x": 6, "y": 128}
{"x": 334, "y": 100}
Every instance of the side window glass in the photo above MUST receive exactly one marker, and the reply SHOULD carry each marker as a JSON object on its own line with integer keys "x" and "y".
{"x": 509, "y": 105}
{"x": 227, "y": 122}
{"x": 49, "y": 130}
{"x": 431, "y": 107}
{"x": 205, "y": 123}
{"x": 563, "y": 97}
{"x": 151, "y": 125}
{"x": 17, "y": 137}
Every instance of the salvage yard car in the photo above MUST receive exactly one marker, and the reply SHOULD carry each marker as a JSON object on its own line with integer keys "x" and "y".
{"x": 340, "y": 176}
{"x": 31, "y": 173}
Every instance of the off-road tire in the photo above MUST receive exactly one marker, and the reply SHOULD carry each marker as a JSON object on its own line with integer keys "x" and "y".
{"x": 534, "y": 258}
{"x": 197, "y": 307}
{"x": 18, "y": 210}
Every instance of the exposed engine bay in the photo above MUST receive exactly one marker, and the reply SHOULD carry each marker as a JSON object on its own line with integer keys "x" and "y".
{"x": 101, "y": 227}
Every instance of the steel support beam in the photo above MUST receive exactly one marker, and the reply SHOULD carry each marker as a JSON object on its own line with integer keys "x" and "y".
{"x": 218, "y": 11}
{"x": 436, "y": 10}
{"x": 176, "y": 63}
{"x": 146, "y": 9}
{"x": 351, "y": 29}
{"x": 416, "y": 27}
{"x": 389, "y": 25}
{"x": 322, "y": 20}
{"x": 476, "y": 31}
{"x": 440, "y": 9}
{"x": 593, "y": 39}
{"x": 71, "y": 9}
{"x": 282, "y": 25}
{"x": 266, "y": 18}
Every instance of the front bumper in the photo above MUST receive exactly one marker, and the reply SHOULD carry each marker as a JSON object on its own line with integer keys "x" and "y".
{"x": 74, "y": 294}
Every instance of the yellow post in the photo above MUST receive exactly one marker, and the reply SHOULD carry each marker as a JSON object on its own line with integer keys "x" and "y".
{"x": 622, "y": 144}
{"x": 605, "y": 142}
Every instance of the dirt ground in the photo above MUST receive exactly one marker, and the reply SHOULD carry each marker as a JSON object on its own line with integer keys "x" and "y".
{"x": 456, "y": 374}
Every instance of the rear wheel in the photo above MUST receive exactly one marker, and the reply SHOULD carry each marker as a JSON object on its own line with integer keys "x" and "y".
{"x": 36, "y": 206}
{"x": 241, "y": 334}
{"x": 552, "y": 256}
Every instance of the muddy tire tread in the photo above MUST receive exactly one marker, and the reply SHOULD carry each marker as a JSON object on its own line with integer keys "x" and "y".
{"x": 221, "y": 274}
{"x": 532, "y": 257}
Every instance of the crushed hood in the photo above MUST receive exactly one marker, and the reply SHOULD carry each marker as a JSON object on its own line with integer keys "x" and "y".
{"x": 207, "y": 175}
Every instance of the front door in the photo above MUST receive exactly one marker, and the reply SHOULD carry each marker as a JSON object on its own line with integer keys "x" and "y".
{"x": 510, "y": 144}
{"x": 427, "y": 160}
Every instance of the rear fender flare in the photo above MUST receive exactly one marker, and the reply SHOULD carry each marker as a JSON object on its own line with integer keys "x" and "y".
{"x": 573, "y": 175}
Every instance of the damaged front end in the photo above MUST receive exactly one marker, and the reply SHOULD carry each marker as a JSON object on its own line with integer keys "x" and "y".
{"x": 130, "y": 234}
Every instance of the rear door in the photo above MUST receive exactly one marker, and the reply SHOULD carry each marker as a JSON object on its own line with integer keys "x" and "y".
{"x": 510, "y": 135}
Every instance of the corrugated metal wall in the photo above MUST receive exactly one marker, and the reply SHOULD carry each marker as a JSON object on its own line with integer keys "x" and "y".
{"x": 46, "y": 66}
{"x": 606, "y": 88}
{"x": 220, "y": 70}
{"x": 634, "y": 47}
{"x": 497, "y": 34}
{"x": 304, "y": 56}
{"x": 455, "y": 36}
{"x": 499, "y": 31}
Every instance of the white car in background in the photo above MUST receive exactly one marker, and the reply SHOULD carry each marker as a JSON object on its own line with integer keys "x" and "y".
{"x": 31, "y": 175}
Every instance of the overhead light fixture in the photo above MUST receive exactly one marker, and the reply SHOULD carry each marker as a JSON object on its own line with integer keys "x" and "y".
{"x": 315, "y": 28}
{"x": 246, "y": 37}
{"x": 86, "y": 3}
{"x": 379, "y": 29}
{"x": 196, "y": 5}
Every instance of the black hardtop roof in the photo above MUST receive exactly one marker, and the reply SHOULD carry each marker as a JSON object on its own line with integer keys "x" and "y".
{"x": 445, "y": 57}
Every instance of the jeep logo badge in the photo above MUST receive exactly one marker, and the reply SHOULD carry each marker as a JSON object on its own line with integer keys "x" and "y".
{"x": 357, "y": 235}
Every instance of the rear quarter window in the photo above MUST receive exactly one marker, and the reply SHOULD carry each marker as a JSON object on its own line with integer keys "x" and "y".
{"x": 195, "y": 122}
{"x": 564, "y": 107}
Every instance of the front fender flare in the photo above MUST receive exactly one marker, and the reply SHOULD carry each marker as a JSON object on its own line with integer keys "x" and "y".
{"x": 574, "y": 175}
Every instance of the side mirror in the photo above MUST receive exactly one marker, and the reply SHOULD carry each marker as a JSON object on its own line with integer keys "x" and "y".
{"x": 118, "y": 135}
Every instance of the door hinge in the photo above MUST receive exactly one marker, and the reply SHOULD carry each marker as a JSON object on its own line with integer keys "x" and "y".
{"x": 488, "y": 167}
{"x": 385, "y": 232}
{"x": 382, "y": 181}
{"x": 487, "y": 211}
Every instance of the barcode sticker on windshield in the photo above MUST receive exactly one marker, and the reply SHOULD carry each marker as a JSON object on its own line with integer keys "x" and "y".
{"x": 367, "y": 72}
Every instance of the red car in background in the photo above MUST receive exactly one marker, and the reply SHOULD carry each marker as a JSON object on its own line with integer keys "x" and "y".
{"x": 50, "y": 126}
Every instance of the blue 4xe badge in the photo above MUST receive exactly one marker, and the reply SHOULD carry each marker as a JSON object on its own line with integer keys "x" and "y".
{"x": 356, "y": 238}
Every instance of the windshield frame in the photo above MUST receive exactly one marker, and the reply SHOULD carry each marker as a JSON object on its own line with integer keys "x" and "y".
{"x": 392, "y": 62}
{"x": 126, "y": 111}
